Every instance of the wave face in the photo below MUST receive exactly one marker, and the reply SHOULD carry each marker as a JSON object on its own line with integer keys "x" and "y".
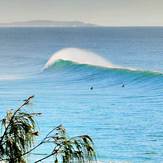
{"x": 75, "y": 60}
{"x": 79, "y": 56}
{"x": 81, "y": 66}
{"x": 74, "y": 66}
{"x": 81, "y": 76}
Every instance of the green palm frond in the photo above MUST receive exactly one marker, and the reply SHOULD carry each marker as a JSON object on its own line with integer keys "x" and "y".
{"x": 18, "y": 136}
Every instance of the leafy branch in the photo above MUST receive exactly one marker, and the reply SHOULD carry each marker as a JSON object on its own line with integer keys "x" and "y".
{"x": 19, "y": 130}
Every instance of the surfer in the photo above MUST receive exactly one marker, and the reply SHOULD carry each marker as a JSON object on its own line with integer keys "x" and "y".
{"x": 123, "y": 85}
{"x": 91, "y": 88}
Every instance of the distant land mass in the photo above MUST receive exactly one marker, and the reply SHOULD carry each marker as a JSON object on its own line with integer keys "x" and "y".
{"x": 47, "y": 23}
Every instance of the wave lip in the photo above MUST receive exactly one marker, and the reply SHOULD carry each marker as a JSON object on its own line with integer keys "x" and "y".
{"x": 79, "y": 56}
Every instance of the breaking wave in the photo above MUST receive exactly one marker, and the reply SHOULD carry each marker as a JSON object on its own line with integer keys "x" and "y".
{"x": 79, "y": 56}
{"x": 72, "y": 58}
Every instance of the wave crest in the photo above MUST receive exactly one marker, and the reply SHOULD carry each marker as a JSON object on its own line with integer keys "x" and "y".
{"x": 79, "y": 56}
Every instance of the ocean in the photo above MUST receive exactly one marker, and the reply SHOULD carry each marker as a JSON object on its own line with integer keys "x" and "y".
{"x": 106, "y": 82}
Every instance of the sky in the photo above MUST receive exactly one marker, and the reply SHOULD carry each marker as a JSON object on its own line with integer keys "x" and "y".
{"x": 100, "y": 12}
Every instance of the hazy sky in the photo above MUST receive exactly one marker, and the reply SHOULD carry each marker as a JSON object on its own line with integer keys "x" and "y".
{"x": 102, "y": 12}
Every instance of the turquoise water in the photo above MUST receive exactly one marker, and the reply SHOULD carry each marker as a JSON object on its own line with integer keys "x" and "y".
{"x": 126, "y": 123}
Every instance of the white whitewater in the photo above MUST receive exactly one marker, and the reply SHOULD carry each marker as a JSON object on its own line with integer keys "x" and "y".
{"x": 79, "y": 56}
{"x": 10, "y": 77}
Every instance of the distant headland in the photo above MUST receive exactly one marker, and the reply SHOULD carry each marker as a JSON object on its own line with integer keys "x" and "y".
{"x": 47, "y": 23}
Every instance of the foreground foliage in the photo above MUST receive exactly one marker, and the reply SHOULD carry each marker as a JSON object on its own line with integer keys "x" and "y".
{"x": 19, "y": 131}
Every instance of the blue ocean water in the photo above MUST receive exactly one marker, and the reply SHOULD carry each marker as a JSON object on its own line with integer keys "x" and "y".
{"x": 125, "y": 122}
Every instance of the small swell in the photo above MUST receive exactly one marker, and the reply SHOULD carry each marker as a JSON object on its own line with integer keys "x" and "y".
{"x": 10, "y": 77}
